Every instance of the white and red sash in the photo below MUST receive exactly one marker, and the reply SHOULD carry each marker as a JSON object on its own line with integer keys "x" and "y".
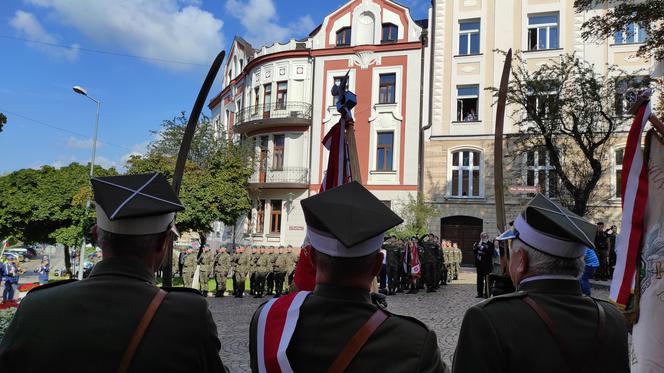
{"x": 276, "y": 325}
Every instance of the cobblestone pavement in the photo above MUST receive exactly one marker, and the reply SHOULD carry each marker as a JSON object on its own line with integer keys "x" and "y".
{"x": 442, "y": 311}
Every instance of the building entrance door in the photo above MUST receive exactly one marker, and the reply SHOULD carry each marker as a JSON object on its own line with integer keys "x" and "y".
{"x": 464, "y": 231}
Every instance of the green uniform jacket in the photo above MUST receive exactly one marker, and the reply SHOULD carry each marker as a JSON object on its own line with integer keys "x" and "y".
{"x": 222, "y": 264}
{"x": 283, "y": 263}
{"x": 206, "y": 261}
{"x": 332, "y": 315}
{"x": 85, "y": 326}
{"x": 189, "y": 264}
{"x": 503, "y": 334}
{"x": 244, "y": 264}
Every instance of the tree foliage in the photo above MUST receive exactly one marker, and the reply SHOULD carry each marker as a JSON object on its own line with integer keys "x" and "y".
{"x": 216, "y": 174}
{"x": 416, "y": 215}
{"x": 648, "y": 14}
{"x": 3, "y": 121}
{"x": 567, "y": 110}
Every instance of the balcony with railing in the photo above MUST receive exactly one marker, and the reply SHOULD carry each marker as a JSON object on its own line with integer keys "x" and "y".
{"x": 286, "y": 177}
{"x": 276, "y": 115}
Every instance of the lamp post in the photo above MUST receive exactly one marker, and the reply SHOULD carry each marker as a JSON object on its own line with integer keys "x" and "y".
{"x": 81, "y": 91}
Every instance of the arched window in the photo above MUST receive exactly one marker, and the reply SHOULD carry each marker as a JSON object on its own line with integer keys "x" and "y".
{"x": 343, "y": 37}
{"x": 466, "y": 174}
{"x": 617, "y": 172}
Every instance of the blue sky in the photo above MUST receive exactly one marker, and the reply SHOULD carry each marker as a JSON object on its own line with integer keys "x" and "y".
{"x": 136, "y": 93}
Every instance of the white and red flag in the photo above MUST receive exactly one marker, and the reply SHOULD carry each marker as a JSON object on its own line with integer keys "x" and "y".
{"x": 338, "y": 162}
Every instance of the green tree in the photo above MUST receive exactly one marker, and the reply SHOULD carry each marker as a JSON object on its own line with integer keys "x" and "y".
{"x": 416, "y": 214}
{"x": 214, "y": 186}
{"x": 566, "y": 111}
{"x": 47, "y": 205}
{"x": 3, "y": 121}
{"x": 621, "y": 17}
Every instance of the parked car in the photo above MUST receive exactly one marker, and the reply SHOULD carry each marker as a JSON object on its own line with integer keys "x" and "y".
{"x": 19, "y": 252}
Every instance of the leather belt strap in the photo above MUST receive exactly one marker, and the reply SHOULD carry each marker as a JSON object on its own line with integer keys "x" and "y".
{"x": 137, "y": 337}
{"x": 357, "y": 342}
{"x": 546, "y": 319}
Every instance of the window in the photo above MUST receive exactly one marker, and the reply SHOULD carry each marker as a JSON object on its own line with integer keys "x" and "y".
{"x": 617, "y": 172}
{"x": 469, "y": 37}
{"x": 626, "y": 91}
{"x": 343, "y": 37}
{"x": 539, "y": 172}
{"x": 260, "y": 216}
{"x": 384, "y": 151}
{"x": 541, "y": 105}
{"x": 387, "y": 89}
{"x": 390, "y": 33}
{"x": 256, "y": 99}
{"x": 267, "y": 100}
{"x": 634, "y": 33}
{"x": 282, "y": 95}
{"x": 275, "y": 217}
{"x": 466, "y": 173}
{"x": 262, "y": 159}
{"x": 467, "y": 103}
{"x": 542, "y": 32}
{"x": 278, "y": 154}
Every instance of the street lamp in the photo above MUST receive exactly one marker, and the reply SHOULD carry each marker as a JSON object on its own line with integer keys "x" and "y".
{"x": 81, "y": 91}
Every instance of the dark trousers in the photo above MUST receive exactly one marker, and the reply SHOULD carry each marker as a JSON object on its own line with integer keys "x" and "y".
{"x": 382, "y": 277}
{"x": 392, "y": 278}
{"x": 252, "y": 284}
{"x": 603, "y": 257}
{"x": 279, "y": 282}
{"x": 269, "y": 283}
{"x": 480, "y": 284}
{"x": 8, "y": 292}
{"x": 259, "y": 283}
{"x": 429, "y": 275}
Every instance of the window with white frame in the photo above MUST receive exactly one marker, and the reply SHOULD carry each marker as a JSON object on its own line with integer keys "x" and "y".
{"x": 384, "y": 151}
{"x": 539, "y": 172}
{"x": 466, "y": 174}
{"x": 469, "y": 37}
{"x": 387, "y": 88}
{"x": 543, "y": 31}
{"x": 343, "y": 37}
{"x": 390, "y": 33}
{"x": 617, "y": 172}
{"x": 468, "y": 103}
{"x": 633, "y": 34}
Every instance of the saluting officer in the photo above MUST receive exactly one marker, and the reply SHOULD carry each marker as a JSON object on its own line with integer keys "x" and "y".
{"x": 116, "y": 317}
{"x": 548, "y": 325}
{"x": 345, "y": 226}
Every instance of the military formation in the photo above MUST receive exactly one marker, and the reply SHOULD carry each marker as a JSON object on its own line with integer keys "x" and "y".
{"x": 440, "y": 263}
{"x": 266, "y": 270}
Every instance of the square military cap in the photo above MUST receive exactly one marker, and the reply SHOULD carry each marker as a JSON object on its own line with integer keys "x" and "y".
{"x": 347, "y": 221}
{"x": 135, "y": 204}
{"x": 547, "y": 227}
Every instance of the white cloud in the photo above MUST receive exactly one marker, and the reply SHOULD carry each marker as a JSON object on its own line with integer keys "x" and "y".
{"x": 136, "y": 149}
{"x": 27, "y": 25}
{"x": 260, "y": 20}
{"x": 77, "y": 143}
{"x": 162, "y": 29}
{"x": 105, "y": 162}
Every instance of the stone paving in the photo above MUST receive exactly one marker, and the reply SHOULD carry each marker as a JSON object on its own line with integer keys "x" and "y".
{"x": 442, "y": 311}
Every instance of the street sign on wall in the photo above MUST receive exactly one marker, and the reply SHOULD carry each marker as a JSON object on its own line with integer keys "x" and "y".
{"x": 523, "y": 189}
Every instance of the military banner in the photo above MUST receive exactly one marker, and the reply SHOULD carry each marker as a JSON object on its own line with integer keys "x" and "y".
{"x": 648, "y": 332}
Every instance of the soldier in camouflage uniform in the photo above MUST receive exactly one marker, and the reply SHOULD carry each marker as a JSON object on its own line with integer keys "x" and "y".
{"x": 252, "y": 274}
{"x": 271, "y": 254}
{"x": 282, "y": 265}
{"x": 222, "y": 265}
{"x": 189, "y": 267}
{"x": 449, "y": 261}
{"x": 206, "y": 261}
{"x": 292, "y": 262}
{"x": 393, "y": 263}
{"x": 241, "y": 270}
{"x": 457, "y": 263}
{"x": 261, "y": 263}
{"x": 175, "y": 265}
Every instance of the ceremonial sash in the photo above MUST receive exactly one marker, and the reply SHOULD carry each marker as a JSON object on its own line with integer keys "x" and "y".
{"x": 276, "y": 325}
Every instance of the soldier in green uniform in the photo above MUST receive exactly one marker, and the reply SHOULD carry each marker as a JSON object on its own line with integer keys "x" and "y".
{"x": 345, "y": 226}
{"x": 271, "y": 254}
{"x": 292, "y": 262}
{"x": 242, "y": 268}
{"x": 282, "y": 265}
{"x": 189, "y": 267}
{"x": 206, "y": 261}
{"x": 100, "y": 315}
{"x": 174, "y": 264}
{"x": 263, "y": 262}
{"x": 393, "y": 263}
{"x": 458, "y": 258}
{"x": 548, "y": 325}
{"x": 222, "y": 266}
{"x": 255, "y": 254}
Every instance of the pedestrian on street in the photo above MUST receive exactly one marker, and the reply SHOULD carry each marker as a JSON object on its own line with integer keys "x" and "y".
{"x": 117, "y": 318}
{"x": 345, "y": 226}
{"x": 10, "y": 275}
{"x": 43, "y": 271}
{"x": 591, "y": 264}
{"x": 483, "y": 252}
{"x": 548, "y": 325}
{"x": 602, "y": 250}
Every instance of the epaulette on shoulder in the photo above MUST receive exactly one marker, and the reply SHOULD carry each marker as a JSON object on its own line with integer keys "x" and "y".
{"x": 408, "y": 318}
{"x": 172, "y": 289}
{"x": 52, "y": 285}
{"x": 515, "y": 295}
